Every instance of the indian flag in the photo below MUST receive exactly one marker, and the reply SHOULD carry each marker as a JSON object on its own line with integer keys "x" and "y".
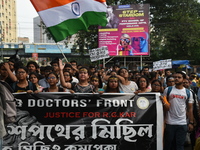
{"x": 66, "y": 17}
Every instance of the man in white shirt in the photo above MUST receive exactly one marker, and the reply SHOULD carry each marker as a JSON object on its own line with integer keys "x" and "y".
{"x": 179, "y": 101}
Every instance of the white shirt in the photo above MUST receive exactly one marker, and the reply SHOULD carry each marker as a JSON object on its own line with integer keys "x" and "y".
{"x": 75, "y": 80}
{"x": 131, "y": 88}
{"x": 177, "y": 112}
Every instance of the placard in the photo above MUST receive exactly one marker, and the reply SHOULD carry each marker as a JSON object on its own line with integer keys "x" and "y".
{"x": 162, "y": 64}
{"x": 99, "y": 53}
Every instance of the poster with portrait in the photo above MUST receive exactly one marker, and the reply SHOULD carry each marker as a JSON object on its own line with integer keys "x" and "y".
{"x": 127, "y": 30}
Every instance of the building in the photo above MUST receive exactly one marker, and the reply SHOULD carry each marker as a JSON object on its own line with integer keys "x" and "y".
{"x": 39, "y": 32}
{"x": 41, "y": 37}
{"x": 8, "y": 21}
{"x": 23, "y": 40}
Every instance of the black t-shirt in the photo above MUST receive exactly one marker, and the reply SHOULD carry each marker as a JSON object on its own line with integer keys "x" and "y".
{"x": 18, "y": 89}
{"x": 82, "y": 89}
{"x": 59, "y": 89}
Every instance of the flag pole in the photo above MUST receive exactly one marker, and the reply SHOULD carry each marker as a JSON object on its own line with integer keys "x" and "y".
{"x": 61, "y": 52}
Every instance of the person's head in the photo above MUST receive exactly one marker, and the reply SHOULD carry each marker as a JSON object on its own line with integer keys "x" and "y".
{"x": 52, "y": 78}
{"x": 73, "y": 63}
{"x": 186, "y": 83}
{"x": 83, "y": 74}
{"x": 143, "y": 82}
{"x": 3, "y": 71}
{"x": 113, "y": 84}
{"x": 68, "y": 67}
{"x": 67, "y": 76}
{"x": 92, "y": 69}
{"x": 116, "y": 68}
{"x": 22, "y": 73}
{"x": 79, "y": 66}
{"x": 123, "y": 72}
{"x": 192, "y": 76}
{"x": 102, "y": 69}
{"x": 130, "y": 73}
{"x": 32, "y": 66}
{"x": 47, "y": 70}
{"x": 11, "y": 63}
{"x": 96, "y": 73}
{"x": 18, "y": 64}
{"x": 136, "y": 76}
{"x": 42, "y": 69}
{"x": 170, "y": 81}
{"x": 167, "y": 72}
{"x": 179, "y": 76}
{"x": 159, "y": 72}
{"x": 34, "y": 77}
{"x": 74, "y": 66}
{"x": 156, "y": 86}
{"x": 113, "y": 73}
{"x": 100, "y": 72}
{"x": 125, "y": 40}
{"x": 95, "y": 80}
{"x": 145, "y": 70}
{"x": 55, "y": 65}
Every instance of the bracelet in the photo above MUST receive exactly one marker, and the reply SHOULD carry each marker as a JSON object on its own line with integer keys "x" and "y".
{"x": 192, "y": 123}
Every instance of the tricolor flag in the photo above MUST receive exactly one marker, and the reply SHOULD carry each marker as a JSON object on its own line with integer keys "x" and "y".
{"x": 66, "y": 17}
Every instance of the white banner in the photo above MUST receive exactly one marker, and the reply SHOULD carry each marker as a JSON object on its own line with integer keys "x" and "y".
{"x": 162, "y": 64}
{"x": 99, "y": 53}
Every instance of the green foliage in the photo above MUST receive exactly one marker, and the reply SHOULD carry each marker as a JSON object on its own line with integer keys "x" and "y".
{"x": 86, "y": 40}
{"x": 175, "y": 30}
{"x": 174, "y": 26}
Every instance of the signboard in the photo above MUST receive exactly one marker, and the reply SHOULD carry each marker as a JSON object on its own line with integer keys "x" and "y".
{"x": 45, "y": 48}
{"x": 127, "y": 31}
{"x": 35, "y": 56}
{"x": 61, "y": 120}
{"x": 99, "y": 53}
{"x": 11, "y": 45}
{"x": 162, "y": 64}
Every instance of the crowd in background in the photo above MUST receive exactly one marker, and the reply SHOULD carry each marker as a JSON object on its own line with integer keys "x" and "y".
{"x": 71, "y": 77}
{"x": 31, "y": 77}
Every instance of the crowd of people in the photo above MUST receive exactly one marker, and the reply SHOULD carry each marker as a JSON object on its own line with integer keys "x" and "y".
{"x": 70, "y": 77}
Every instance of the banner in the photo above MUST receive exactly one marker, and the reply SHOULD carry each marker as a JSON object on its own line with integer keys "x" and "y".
{"x": 63, "y": 121}
{"x": 162, "y": 64}
{"x": 127, "y": 31}
{"x": 99, "y": 53}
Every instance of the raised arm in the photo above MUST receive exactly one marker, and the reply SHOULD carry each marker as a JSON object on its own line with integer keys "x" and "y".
{"x": 10, "y": 73}
{"x": 62, "y": 80}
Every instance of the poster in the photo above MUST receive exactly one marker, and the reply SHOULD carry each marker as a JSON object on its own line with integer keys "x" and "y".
{"x": 162, "y": 64}
{"x": 127, "y": 31}
{"x": 64, "y": 121}
{"x": 99, "y": 53}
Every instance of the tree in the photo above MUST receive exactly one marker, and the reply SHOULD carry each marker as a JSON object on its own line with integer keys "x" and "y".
{"x": 175, "y": 29}
{"x": 174, "y": 26}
